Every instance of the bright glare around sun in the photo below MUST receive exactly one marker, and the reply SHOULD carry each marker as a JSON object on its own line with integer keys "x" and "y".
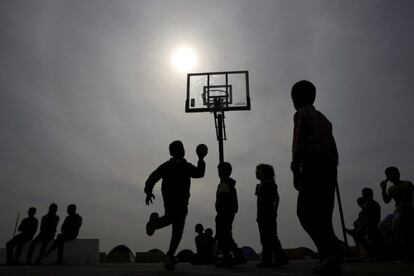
{"x": 184, "y": 59}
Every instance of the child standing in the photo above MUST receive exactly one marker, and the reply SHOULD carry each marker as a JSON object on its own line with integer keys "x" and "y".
{"x": 314, "y": 166}
{"x": 267, "y": 204}
{"x": 226, "y": 207}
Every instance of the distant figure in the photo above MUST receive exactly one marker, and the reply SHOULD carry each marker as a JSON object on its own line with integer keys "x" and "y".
{"x": 176, "y": 176}
{"x": 48, "y": 227}
{"x": 357, "y": 232}
{"x": 205, "y": 246}
{"x": 70, "y": 231}
{"x": 210, "y": 243}
{"x": 371, "y": 219}
{"x": 397, "y": 229}
{"x": 366, "y": 234}
{"x": 267, "y": 204}
{"x": 314, "y": 166}
{"x": 27, "y": 229}
{"x": 227, "y": 207}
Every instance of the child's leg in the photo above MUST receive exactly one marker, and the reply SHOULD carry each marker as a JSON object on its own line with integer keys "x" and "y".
{"x": 163, "y": 221}
{"x": 280, "y": 254}
{"x": 222, "y": 233}
{"x": 266, "y": 241}
{"x": 155, "y": 222}
{"x": 178, "y": 224}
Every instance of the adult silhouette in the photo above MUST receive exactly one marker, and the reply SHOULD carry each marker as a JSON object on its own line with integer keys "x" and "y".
{"x": 69, "y": 231}
{"x": 47, "y": 232}
{"x": 27, "y": 229}
{"x": 176, "y": 176}
{"x": 314, "y": 166}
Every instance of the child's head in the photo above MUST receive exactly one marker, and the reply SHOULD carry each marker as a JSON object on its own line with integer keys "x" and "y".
{"x": 367, "y": 194}
{"x": 177, "y": 149}
{"x": 224, "y": 170}
{"x": 303, "y": 93}
{"x": 392, "y": 174}
{"x": 31, "y": 212}
{"x": 209, "y": 232}
{"x": 360, "y": 201}
{"x": 53, "y": 208}
{"x": 199, "y": 228}
{"x": 71, "y": 209}
{"x": 265, "y": 172}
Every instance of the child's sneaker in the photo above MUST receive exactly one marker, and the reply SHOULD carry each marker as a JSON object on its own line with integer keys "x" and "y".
{"x": 170, "y": 262}
{"x": 152, "y": 223}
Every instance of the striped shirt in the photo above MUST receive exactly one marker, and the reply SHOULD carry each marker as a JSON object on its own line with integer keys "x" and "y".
{"x": 312, "y": 138}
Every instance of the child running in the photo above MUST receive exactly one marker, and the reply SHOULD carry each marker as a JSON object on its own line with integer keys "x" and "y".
{"x": 176, "y": 176}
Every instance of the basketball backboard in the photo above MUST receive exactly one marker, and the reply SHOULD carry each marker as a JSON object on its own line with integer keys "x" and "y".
{"x": 217, "y": 90}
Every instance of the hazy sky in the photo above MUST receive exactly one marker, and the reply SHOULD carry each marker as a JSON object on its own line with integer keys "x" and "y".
{"x": 89, "y": 102}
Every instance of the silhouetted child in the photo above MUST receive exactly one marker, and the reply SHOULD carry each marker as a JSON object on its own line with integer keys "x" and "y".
{"x": 371, "y": 219}
{"x": 27, "y": 229}
{"x": 314, "y": 166}
{"x": 70, "y": 231}
{"x": 226, "y": 207}
{"x": 199, "y": 229}
{"x": 210, "y": 243}
{"x": 176, "y": 177}
{"x": 267, "y": 204}
{"x": 397, "y": 229}
{"x": 357, "y": 233}
{"x": 365, "y": 232}
{"x": 205, "y": 246}
{"x": 48, "y": 227}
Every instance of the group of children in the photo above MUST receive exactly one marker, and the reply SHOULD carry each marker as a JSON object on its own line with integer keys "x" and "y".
{"x": 27, "y": 230}
{"x": 393, "y": 237}
{"x": 314, "y": 166}
{"x": 176, "y": 174}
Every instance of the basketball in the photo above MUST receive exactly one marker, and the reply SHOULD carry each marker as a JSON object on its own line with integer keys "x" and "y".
{"x": 202, "y": 150}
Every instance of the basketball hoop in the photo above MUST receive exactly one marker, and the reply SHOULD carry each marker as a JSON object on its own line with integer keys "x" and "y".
{"x": 217, "y": 92}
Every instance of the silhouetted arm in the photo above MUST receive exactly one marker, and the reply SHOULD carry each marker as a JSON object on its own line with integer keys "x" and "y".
{"x": 21, "y": 226}
{"x": 299, "y": 139}
{"x": 153, "y": 178}
{"x": 78, "y": 223}
{"x": 55, "y": 223}
{"x": 35, "y": 226}
{"x": 298, "y": 148}
{"x": 385, "y": 195}
{"x": 277, "y": 201}
{"x": 198, "y": 172}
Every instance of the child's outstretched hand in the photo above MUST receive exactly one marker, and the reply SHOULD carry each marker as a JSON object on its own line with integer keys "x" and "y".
{"x": 201, "y": 151}
{"x": 149, "y": 198}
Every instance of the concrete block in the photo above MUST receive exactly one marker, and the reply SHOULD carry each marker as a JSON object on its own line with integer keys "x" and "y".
{"x": 79, "y": 251}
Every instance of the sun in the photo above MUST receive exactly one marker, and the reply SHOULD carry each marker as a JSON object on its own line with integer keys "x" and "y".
{"x": 184, "y": 59}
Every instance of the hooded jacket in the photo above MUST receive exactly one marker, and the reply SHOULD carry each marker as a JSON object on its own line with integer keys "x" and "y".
{"x": 226, "y": 196}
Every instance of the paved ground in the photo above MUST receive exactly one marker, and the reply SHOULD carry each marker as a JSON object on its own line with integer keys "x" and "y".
{"x": 296, "y": 268}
